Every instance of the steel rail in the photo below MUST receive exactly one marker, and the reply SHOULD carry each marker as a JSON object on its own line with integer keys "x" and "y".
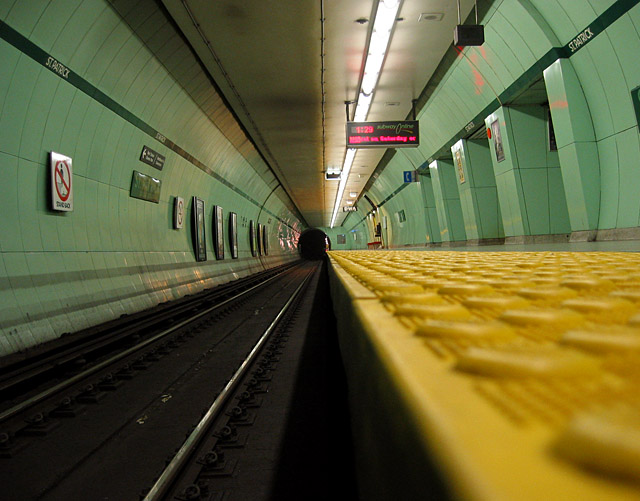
{"x": 168, "y": 476}
{"x": 16, "y": 409}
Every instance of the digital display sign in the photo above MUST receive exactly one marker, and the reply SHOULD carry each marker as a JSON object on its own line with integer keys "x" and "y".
{"x": 403, "y": 134}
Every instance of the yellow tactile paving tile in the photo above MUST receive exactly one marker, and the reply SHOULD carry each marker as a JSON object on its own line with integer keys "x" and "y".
{"x": 524, "y": 368}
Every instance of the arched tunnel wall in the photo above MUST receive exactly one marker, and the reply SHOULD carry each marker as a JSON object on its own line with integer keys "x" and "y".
{"x": 582, "y": 188}
{"x": 98, "y": 81}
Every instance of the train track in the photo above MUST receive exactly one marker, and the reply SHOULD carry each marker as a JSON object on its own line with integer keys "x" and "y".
{"x": 186, "y": 478}
{"x": 163, "y": 361}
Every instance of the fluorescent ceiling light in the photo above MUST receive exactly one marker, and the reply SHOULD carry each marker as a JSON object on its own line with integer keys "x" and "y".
{"x": 386, "y": 15}
{"x": 348, "y": 162}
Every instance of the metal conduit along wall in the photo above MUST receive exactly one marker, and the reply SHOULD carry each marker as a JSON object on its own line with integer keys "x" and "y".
{"x": 568, "y": 63}
{"x": 113, "y": 86}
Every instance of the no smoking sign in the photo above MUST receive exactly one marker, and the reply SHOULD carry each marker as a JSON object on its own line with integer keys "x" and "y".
{"x": 61, "y": 182}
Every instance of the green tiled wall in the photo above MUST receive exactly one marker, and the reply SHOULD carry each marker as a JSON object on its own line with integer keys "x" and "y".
{"x": 589, "y": 92}
{"x": 61, "y": 272}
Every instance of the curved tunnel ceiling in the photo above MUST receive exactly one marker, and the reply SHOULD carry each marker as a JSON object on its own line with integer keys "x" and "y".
{"x": 267, "y": 62}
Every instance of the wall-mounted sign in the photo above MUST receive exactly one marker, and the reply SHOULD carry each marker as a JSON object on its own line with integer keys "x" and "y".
{"x": 458, "y": 157}
{"x": 635, "y": 98}
{"x": 145, "y": 187}
{"x": 259, "y": 239}
{"x": 252, "y": 238}
{"x": 218, "y": 232}
{"x": 383, "y": 134}
{"x": 199, "y": 236}
{"x": 497, "y": 140}
{"x": 178, "y": 213}
{"x": 410, "y": 176}
{"x": 350, "y": 208}
{"x": 61, "y": 182}
{"x": 152, "y": 158}
{"x": 233, "y": 234}
{"x": 265, "y": 240}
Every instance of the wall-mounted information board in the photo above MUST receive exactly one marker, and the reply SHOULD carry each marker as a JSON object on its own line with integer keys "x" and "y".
{"x": 403, "y": 134}
{"x": 259, "y": 239}
{"x": 233, "y": 234}
{"x": 199, "y": 236}
{"x": 145, "y": 187}
{"x": 265, "y": 240}
{"x": 218, "y": 232}
{"x": 252, "y": 238}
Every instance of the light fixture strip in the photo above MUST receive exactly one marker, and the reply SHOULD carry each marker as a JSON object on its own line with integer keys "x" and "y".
{"x": 386, "y": 14}
{"x": 346, "y": 168}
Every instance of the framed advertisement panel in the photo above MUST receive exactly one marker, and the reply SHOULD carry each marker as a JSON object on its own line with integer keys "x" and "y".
{"x": 198, "y": 231}
{"x": 218, "y": 232}
{"x": 252, "y": 238}
{"x": 233, "y": 234}
{"x": 259, "y": 239}
{"x": 265, "y": 240}
{"x": 497, "y": 140}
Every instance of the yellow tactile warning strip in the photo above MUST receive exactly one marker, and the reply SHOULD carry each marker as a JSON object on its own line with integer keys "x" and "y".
{"x": 523, "y": 369}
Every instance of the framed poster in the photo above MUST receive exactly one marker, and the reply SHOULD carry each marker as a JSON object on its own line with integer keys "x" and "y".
{"x": 259, "y": 239}
{"x": 252, "y": 238}
{"x": 233, "y": 234}
{"x": 145, "y": 187}
{"x": 458, "y": 156}
{"x": 265, "y": 240}
{"x": 497, "y": 140}
{"x": 218, "y": 232}
{"x": 198, "y": 232}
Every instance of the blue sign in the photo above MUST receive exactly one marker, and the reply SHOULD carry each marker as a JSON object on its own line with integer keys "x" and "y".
{"x": 410, "y": 176}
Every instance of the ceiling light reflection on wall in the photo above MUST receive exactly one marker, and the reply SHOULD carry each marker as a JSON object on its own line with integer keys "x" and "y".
{"x": 386, "y": 14}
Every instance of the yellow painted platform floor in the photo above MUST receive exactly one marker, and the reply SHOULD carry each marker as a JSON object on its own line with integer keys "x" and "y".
{"x": 522, "y": 368}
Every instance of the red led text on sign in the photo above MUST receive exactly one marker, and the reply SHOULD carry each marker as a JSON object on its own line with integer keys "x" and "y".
{"x": 382, "y": 134}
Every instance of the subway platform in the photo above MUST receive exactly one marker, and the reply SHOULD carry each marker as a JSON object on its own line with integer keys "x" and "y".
{"x": 490, "y": 375}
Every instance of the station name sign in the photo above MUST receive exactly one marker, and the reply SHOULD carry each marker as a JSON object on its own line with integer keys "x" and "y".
{"x": 403, "y": 134}
{"x": 350, "y": 208}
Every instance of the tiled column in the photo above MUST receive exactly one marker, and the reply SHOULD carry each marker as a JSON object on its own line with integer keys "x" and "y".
{"x": 447, "y": 198}
{"x": 528, "y": 178}
{"x": 577, "y": 147}
{"x": 477, "y": 187}
{"x": 430, "y": 213}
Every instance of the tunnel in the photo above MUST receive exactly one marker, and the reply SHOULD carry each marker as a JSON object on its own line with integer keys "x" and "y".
{"x": 313, "y": 244}
{"x": 474, "y": 231}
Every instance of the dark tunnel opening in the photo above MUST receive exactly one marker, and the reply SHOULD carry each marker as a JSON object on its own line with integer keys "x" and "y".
{"x": 313, "y": 244}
